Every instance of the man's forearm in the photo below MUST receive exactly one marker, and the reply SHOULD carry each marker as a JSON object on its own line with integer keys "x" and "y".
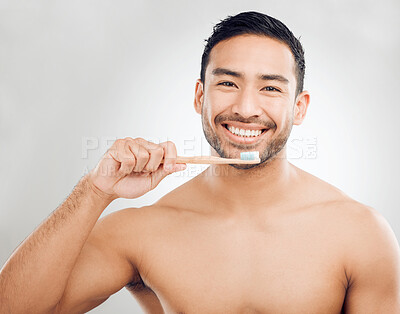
{"x": 36, "y": 274}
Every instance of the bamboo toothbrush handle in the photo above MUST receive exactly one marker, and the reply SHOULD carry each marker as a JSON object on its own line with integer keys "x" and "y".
{"x": 214, "y": 160}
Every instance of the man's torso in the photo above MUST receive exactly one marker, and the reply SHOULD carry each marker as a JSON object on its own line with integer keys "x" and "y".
{"x": 196, "y": 260}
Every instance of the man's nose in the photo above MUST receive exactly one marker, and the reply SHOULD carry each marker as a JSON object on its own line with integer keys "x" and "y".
{"x": 247, "y": 103}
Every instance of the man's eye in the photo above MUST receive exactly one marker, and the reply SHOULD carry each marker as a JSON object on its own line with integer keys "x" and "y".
{"x": 230, "y": 84}
{"x": 271, "y": 89}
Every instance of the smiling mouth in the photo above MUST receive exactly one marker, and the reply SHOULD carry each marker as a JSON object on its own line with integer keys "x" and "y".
{"x": 242, "y": 132}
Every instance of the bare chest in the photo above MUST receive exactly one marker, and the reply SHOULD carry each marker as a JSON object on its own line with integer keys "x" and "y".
{"x": 246, "y": 269}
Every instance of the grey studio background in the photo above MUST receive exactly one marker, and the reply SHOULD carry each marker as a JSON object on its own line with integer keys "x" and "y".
{"x": 76, "y": 75}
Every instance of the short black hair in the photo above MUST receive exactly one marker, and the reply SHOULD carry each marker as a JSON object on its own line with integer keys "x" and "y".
{"x": 256, "y": 23}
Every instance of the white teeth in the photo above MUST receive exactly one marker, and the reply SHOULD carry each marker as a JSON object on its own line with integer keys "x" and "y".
{"x": 243, "y": 132}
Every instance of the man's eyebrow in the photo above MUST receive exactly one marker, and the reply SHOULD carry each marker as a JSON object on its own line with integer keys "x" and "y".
{"x": 223, "y": 71}
{"x": 273, "y": 77}
{"x": 264, "y": 77}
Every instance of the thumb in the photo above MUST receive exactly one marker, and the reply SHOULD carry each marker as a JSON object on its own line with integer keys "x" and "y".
{"x": 161, "y": 173}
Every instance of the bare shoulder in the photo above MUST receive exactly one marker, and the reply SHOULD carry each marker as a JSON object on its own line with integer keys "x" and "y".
{"x": 369, "y": 246}
{"x": 132, "y": 226}
{"x": 130, "y": 223}
{"x": 364, "y": 228}
{"x": 320, "y": 190}
{"x": 371, "y": 259}
{"x": 368, "y": 250}
{"x": 169, "y": 206}
{"x": 354, "y": 216}
{"x": 136, "y": 221}
{"x": 359, "y": 221}
{"x": 368, "y": 232}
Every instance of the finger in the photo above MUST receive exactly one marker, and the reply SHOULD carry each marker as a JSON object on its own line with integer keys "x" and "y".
{"x": 108, "y": 166}
{"x": 125, "y": 160}
{"x": 145, "y": 143}
{"x": 156, "y": 156}
{"x": 161, "y": 173}
{"x": 128, "y": 160}
{"x": 113, "y": 159}
{"x": 142, "y": 156}
{"x": 169, "y": 155}
{"x": 156, "y": 152}
{"x": 115, "y": 150}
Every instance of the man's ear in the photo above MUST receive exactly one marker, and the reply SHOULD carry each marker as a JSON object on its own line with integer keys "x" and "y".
{"x": 300, "y": 107}
{"x": 199, "y": 95}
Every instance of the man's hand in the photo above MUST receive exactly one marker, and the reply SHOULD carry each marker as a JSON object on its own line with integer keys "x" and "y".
{"x": 132, "y": 167}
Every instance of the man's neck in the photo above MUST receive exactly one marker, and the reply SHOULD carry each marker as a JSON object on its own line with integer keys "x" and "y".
{"x": 238, "y": 189}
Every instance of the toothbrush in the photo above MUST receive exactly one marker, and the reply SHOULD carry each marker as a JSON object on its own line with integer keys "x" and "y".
{"x": 245, "y": 158}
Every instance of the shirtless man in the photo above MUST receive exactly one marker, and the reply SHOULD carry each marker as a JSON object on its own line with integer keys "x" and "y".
{"x": 266, "y": 238}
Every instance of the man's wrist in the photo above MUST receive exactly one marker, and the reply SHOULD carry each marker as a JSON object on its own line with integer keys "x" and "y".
{"x": 95, "y": 192}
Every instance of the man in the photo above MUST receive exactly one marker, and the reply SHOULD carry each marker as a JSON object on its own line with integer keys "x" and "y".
{"x": 265, "y": 238}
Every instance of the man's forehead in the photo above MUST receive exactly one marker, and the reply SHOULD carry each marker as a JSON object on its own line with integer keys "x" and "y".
{"x": 252, "y": 55}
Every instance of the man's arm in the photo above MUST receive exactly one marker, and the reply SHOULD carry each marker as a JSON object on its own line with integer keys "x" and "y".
{"x": 104, "y": 265}
{"x": 66, "y": 266}
{"x": 374, "y": 267}
{"x": 36, "y": 274}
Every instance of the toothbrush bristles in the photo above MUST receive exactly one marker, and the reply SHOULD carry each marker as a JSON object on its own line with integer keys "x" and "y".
{"x": 250, "y": 155}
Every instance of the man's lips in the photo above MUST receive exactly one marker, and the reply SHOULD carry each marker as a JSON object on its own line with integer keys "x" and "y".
{"x": 244, "y": 126}
{"x": 243, "y": 133}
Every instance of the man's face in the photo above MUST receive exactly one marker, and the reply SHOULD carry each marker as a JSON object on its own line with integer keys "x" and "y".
{"x": 248, "y": 97}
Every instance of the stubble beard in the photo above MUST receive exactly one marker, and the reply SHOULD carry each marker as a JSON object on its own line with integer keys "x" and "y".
{"x": 268, "y": 154}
